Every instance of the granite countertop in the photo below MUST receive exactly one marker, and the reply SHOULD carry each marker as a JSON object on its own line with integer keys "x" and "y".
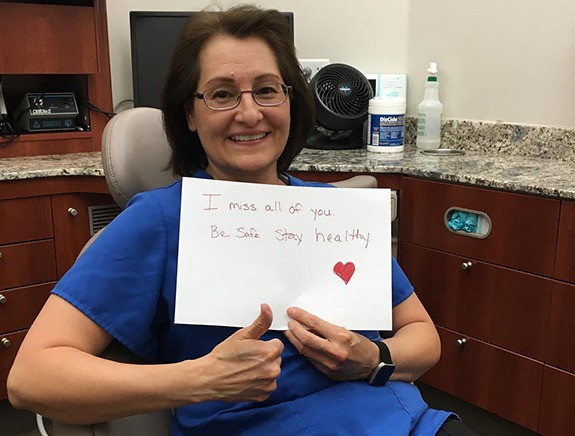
{"x": 531, "y": 175}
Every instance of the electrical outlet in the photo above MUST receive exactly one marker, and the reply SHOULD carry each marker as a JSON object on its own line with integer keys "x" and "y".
{"x": 311, "y": 66}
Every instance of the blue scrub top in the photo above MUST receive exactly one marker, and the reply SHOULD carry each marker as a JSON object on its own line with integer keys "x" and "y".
{"x": 125, "y": 282}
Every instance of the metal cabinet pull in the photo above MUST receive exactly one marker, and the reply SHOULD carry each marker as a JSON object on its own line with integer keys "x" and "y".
{"x": 3, "y": 299}
{"x": 72, "y": 211}
{"x": 0, "y": 255}
{"x": 466, "y": 266}
{"x": 5, "y": 342}
{"x": 461, "y": 342}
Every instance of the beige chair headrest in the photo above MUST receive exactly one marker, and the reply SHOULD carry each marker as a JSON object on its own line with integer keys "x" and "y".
{"x": 135, "y": 153}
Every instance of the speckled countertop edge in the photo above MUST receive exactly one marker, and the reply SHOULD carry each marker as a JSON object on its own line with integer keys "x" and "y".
{"x": 537, "y": 176}
{"x": 530, "y": 175}
{"x": 33, "y": 167}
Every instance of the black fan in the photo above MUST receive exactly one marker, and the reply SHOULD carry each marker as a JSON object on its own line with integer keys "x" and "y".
{"x": 342, "y": 96}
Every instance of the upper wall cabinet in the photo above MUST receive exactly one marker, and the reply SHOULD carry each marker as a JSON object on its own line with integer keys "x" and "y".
{"x": 48, "y": 39}
{"x": 54, "y": 46}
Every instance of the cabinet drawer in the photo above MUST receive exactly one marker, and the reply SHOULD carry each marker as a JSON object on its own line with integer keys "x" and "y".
{"x": 523, "y": 228}
{"x": 25, "y": 219}
{"x": 561, "y": 351}
{"x": 9, "y": 345}
{"x": 497, "y": 380}
{"x": 495, "y": 304}
{"x": 557, "y": 406}
{"x": 564, "y": 269}
{"x": 27, "y": 264}
{"x": 19, "y": 307}
{"x": 48, "y": 39}
{"x": 72, "y": 230}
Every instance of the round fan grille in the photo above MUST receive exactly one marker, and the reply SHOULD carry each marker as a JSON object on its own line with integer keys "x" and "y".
{"x": 342, "y": 96}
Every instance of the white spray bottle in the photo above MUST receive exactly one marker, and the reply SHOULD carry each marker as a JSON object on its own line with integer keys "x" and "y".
{"x": 429, "y": 115}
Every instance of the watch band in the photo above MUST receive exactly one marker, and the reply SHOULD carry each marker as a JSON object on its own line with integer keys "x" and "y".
{"x": 383, "y": 371}
{"x": 384, "y": 354}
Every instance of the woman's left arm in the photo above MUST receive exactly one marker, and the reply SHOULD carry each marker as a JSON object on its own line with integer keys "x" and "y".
{"x": 341, "y": 354}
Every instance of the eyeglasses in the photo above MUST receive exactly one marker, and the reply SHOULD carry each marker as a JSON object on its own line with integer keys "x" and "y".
{"x": 225, "y": 97}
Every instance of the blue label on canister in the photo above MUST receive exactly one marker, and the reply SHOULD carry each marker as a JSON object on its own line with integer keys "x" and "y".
{"x": 386, "y": 130}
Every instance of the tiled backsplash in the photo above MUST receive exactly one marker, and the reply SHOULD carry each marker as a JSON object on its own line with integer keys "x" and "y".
{"x": 498, "y": 137}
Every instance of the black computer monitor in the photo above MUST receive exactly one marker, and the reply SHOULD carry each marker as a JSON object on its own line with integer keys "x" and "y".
{"x": 153, "y": 36}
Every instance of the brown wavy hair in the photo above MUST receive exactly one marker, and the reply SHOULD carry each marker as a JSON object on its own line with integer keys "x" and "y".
{"x": 241, "y": 22}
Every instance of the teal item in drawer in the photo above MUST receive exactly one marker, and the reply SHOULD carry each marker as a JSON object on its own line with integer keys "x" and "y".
{"x": 463, "y": 221}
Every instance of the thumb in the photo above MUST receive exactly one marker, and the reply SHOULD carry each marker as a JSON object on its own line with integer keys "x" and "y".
{"x": 260, "y": 325}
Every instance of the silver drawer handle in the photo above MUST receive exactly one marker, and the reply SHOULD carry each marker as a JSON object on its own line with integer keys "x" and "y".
{"x": 3, "y": 299}
{"x": 466, "y": 266}
{"x": 6, "y": 342}
{"x": 72, "y": 211}
{"x": 461, "y": 342}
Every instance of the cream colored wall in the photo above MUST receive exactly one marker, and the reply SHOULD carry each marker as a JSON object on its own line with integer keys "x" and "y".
{"x": 512, "y": 61}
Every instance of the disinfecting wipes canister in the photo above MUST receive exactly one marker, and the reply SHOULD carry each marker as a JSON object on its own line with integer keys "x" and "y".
{"x": 386, "y": 124}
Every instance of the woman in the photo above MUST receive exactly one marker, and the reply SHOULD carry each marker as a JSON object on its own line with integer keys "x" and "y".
{"x": 236, "y": 107}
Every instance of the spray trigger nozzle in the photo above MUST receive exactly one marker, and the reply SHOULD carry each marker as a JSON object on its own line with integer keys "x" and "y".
{"x": 432, "y": 69}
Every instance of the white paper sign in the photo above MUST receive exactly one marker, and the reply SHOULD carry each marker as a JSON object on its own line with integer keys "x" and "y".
{"x": 326, "y": 250}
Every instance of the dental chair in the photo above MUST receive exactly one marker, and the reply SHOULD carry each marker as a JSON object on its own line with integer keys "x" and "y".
{"x": 135, "y": 156}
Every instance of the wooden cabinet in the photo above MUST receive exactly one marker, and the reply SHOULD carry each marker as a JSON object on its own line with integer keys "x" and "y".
{"x": 557, "y": 404}
{"x": 48, "y": 39}
{"x": 27, "y": 263}
{"x": 561, "y": 343}
{"x": 565, "y": 263}
{"x": 488, "y": 376}
{"x": 71, "y": 215}
{"x": 492, "y": 294}
{"x": 27, "y": 269}
{"x": 523, "y": 229}
{"x": 9, "y": 345}
{"x": 25, "y": 219}
{"x": 44, "y": 223}
{"x": 557, "y": 408}
{"x": 62, "y": 47}
{"x": 495, "y": 304}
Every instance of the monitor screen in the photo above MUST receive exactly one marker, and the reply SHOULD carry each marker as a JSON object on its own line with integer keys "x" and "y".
{"x": 153, "y": 36}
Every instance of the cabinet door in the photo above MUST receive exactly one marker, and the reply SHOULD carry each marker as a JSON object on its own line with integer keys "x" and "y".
{"x": 25, "y": 219}
{"x": 9, "y": 345}
{"x": 557, "y": 404}
{"x": 561, "y": 350}
{"x": 564, "y": 265}
{"x": 72, "y": 224}
{"x": 523, "y": 228}
{"x": 47, "y": 39}
{"x": 27, "y": 263}
{"x": 20, "y": 306}
{"x": 495, "y": 304}
{"x": 497, "y": 380}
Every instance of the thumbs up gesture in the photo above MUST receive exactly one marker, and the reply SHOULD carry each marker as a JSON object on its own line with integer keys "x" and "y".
{"x": 244, "y": 367}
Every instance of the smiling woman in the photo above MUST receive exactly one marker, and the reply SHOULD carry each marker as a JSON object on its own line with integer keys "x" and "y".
{"x": 273, "y": 61}
{"x": 235, "y": 107}
{"x": 242, "y": 138}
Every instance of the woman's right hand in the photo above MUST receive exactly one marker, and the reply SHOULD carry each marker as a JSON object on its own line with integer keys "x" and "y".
{"x": 243, "y": 367}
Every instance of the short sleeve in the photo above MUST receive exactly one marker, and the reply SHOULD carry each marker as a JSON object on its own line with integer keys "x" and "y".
{"x": 401, "y": 287}
{"x": 117, "y": 282}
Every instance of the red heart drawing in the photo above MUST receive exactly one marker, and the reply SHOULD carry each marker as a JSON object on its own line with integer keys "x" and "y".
{"x": 344, "y": 272}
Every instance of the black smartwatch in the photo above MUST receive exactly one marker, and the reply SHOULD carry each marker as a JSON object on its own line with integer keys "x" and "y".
{"x": 380, "y": 375}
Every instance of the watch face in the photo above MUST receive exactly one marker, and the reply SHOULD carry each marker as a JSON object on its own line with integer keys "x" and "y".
{"x": 381, "y": 374}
